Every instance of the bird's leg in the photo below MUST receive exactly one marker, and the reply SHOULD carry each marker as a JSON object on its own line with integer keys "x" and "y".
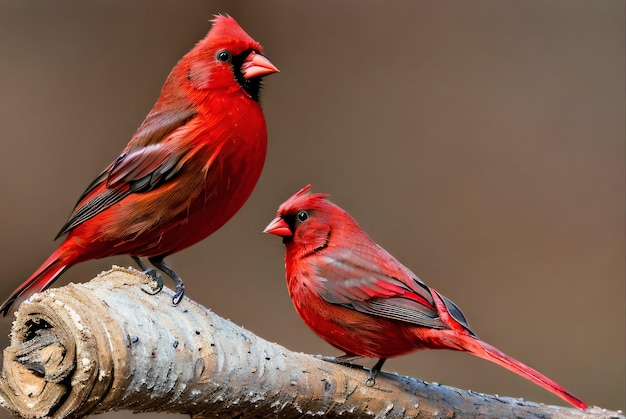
{"x": 371, "y": 380}
{"x": 180, "y": 286}
{"x": 153, "y": 274}
{"x": 139, "y": 262}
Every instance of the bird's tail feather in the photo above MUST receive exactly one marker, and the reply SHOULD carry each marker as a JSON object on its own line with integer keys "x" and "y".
{"x": 47, "y": 273}
{"x": 483, "y": 350}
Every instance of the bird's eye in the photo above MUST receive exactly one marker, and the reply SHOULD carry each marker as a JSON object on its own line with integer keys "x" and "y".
{"x": 223, "y": 56}
{"x": 302, "y": 216}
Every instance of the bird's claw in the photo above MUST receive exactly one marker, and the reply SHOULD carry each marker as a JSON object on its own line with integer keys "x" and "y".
{"x": 157, "y": 278}
{"x": 343, "y": 360}
{"x": 347, "y": 361}
{"x": 180, "y": 293}
{"x": 371, "y": 379}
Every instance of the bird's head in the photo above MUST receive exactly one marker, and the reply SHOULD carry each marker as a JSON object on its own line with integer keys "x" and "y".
{"x": 227, "y": 58}
{"x": 306, "y": 221}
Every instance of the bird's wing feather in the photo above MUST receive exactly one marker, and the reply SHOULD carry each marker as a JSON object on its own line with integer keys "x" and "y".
{"x": 143, "y": 168}
{"x": 146, "y": 163}
{"x": 354, "y": 278}
{"x": 157, "y": 125}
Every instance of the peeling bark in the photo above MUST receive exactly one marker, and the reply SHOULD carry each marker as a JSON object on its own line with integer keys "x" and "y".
{"x": 106, "y": 345}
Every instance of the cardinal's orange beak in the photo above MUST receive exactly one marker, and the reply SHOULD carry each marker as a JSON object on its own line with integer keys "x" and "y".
{"x": 278, "y": 227}
{"x": 257, "y": 65}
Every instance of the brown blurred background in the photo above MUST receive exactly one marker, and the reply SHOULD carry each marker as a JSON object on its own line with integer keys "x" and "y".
{"x": 481, "y": 143}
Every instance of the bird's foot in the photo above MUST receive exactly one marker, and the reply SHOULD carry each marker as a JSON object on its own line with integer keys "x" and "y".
{"x": 371, "y": 379}
{"x": 180, "y": 286}
{"x": 157, "y": 285}
{"x": 347, "y": 361}
{"x": 343, "y": 359}
{"x": 179, "y": 294}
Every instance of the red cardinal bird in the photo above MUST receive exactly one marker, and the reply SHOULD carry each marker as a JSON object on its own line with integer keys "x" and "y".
{"x": 360, "y": 299}
{"x": 187, "y": 170}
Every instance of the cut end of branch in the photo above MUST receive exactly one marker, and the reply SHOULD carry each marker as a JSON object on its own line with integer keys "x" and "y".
{"x": 55, "y": 349}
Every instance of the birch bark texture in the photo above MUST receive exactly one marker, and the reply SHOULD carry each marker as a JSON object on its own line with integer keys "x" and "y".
{"x": 106, "y": 345}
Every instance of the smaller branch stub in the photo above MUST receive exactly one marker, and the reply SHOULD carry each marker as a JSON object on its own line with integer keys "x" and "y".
{"x": 107, "y": 345}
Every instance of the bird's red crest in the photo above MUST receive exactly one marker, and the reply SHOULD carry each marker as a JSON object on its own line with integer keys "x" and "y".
{"x": 226, "y": 28}
{"x": 303, "y": 199}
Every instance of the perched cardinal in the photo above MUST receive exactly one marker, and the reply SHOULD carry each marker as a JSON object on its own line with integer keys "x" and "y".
{"x": 187, "y": 170}
{"x": 360, "y": 299}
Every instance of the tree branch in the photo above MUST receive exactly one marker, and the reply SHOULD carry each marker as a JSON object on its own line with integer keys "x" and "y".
{"x": 106, "y": 345}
